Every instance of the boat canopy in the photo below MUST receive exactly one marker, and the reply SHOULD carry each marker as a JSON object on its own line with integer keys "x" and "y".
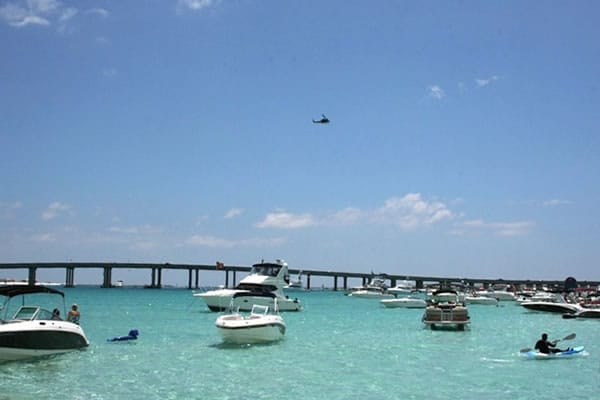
{"x": 18, "y": 290}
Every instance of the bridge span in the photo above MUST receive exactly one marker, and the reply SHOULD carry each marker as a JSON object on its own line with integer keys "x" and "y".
{"x": 231, "y": 271}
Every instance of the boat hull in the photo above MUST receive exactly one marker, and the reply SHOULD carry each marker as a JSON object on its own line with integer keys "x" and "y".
{"x": 404, "y": 303}
{"x": 546, "y": 306}
{"x": 221, "y": 300}
{"x": 31, "y": 339}
{"x": 235, "y": 329}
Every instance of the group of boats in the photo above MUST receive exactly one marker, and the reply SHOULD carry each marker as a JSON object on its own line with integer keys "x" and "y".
{"x": 250, "y": 312}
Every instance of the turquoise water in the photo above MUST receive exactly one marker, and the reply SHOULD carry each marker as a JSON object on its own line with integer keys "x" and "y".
{"x": 338, "y": 348}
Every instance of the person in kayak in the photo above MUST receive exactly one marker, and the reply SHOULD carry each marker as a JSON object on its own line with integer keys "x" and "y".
{"x": 546, "y": 347}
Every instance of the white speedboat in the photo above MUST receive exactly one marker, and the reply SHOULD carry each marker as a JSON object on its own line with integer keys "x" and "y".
{"x": 404, "y": 302}
{"x": 402, "y": 287}
{"x": 500, "y": 295}
{"x": 262, "y": 286}
{"x": 476, "y": 299}
{"x": 446, "y": 312}
{"x": 554, "y": 303}
{"x": 34, "y": 331}
{"x": 295, "y": 284}
{"x": 371, "y": 293}
{"x": 260, "y": 326}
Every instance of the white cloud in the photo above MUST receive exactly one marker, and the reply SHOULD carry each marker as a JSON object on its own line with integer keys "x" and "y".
{"x": 67, "y": 14}
{"x": 215, "y": 242}
{"x": 411, "y": 211}
{"x": 31, "y": 12}
{"x": 43, "y": 237}
{"x": 54, "y": 209}
{"x": 109, "y": 72}
{"x": 486, "y": 81}
{"x": 101, "y": 12}
{"x": 135, "y": 230}
{"x": 408, "y": 212}
{"x": 194, "y": 5}
{"x": 234, "y": 212}
{"x": 436, "y": 92}
{"x": 556, "y": 202}
{"x": 22, "y": 13}
{"x": 518, "y": 228}
{"x": 8, "y": 210}
{"x": 286, "y": 220}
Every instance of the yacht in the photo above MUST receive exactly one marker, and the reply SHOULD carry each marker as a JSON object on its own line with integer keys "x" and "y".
{"x": 375, "y": 289}
{"x": 477, "y": 299}
{"x": 295, "y": 284}
{"x": 553, "y": 302}
{"x": 262, "y": 286}
{"x": 260, "y": 326}
{"x": 446, "y": 311}
{"x": 34, "y": 331}
{"x": 404, "y": 302}
{"x": 402, "y": 287}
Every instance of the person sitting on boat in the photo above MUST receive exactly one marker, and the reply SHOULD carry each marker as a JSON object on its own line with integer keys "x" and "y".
{"x": 73, "y": 315}
{"x": 56, "y": 314}
{"x": 545, "y": 346}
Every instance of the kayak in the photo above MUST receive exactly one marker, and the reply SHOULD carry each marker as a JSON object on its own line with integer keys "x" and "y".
{"x": 569, "y": 353}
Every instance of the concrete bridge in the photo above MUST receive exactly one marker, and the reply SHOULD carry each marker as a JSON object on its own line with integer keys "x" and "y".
{"x": 231, "y": 271}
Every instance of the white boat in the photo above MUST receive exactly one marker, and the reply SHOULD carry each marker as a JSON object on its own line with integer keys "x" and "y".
{"x": 554, "y": 303}
{"x": 402, "y": 287}
{"x": 260, "y": 326}
{"x": 262, "y": 286}
{"x": 295, "y": 284}
{"x": 34, "y": 331}
{"x": 372, "y": 293}
{"x": 404, "y": 302}
{"x": 500, "y": 295}
{"x": 445, "y": 311}
{"x": 584, "y": 312}
{"x": 476, "y": 299}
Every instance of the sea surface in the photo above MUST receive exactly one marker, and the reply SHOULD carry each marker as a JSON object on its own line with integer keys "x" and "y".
{"x": 339, "y": 347}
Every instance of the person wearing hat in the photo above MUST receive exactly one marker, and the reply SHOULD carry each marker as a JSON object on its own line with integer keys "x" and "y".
{"x": 73, "y": 315}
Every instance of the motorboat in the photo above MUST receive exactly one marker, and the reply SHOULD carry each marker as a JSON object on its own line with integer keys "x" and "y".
{"x": 372, "y": 293}
{"x": 584, "y": 312}
{"x": 34, "y": 331}
{"x": 554, "y": 303}
{"x": 295, "y": 284}
{"x": 446, "y": 311}
{"x": 375, "y": 289}
{"x": 262, "y": 286}
{"x": 402, "y": 287}
{"x": 404, "y": 302}
{"x": 261, "y": 325}
{"x": 476, "y": 299}
{"x": 500, "y": 295}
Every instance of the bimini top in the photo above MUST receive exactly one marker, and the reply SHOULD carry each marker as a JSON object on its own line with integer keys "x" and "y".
{"x": 18, "y": 290}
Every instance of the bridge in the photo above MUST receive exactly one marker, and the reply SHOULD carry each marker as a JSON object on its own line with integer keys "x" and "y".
{"x": 193, "y": 270}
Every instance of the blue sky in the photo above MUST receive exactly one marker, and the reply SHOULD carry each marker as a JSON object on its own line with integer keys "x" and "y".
{"x": 463, "y": 138}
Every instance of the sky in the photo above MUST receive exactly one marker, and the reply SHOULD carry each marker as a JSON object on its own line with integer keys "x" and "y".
{"x": 463, "y": 138}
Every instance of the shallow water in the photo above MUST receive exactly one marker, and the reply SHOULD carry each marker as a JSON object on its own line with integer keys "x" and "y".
{"x": 339, "y": 347}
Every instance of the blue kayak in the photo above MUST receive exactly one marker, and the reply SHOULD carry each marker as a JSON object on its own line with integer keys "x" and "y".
{"x": 569, "y": 353}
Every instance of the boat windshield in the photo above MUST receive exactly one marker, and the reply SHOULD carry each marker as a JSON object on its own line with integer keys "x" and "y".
{"x": 265, "y": 269}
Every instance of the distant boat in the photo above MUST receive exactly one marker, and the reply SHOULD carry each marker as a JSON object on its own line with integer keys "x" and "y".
{"x": 295, "y": 284}
{"x": 24, "y": 282}
{"x": 118, "y": 283}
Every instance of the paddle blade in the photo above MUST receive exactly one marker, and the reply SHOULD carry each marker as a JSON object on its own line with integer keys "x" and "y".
{"x": 569, "y": 337}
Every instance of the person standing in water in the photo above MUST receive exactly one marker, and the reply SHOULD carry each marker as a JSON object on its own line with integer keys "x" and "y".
{"x": 74, "y": 314}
